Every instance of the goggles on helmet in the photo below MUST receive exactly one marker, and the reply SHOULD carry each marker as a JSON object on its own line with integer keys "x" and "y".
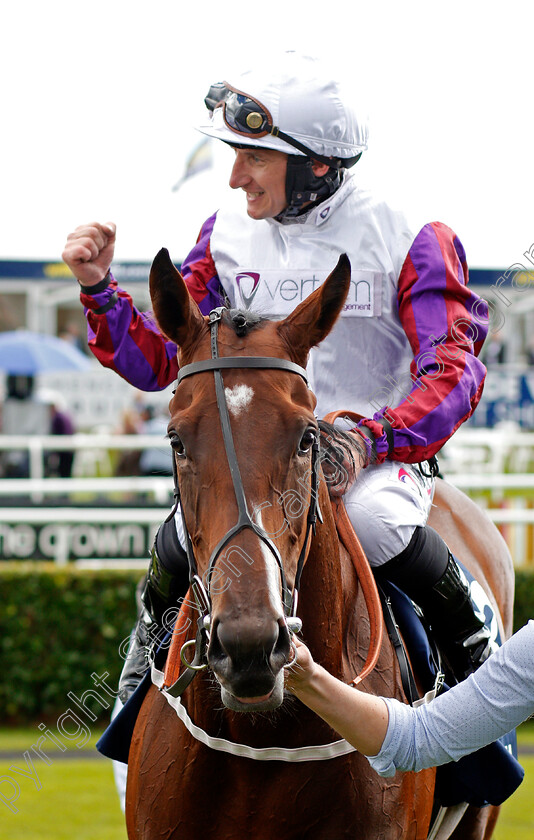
{"x": 247, "y": 117}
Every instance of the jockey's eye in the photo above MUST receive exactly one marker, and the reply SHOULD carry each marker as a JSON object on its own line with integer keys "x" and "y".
{"x": 307, "y": 440}
{"x": 176, "y": 443}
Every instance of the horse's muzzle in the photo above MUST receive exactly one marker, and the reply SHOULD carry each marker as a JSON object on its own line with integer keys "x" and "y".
{"x": 248, "y": 660}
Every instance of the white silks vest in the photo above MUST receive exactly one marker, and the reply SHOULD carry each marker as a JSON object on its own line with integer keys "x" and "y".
{"x": 271, "y": 267}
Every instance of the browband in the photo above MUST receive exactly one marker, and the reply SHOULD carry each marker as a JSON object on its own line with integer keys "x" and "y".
{"x": 240, "y": 362}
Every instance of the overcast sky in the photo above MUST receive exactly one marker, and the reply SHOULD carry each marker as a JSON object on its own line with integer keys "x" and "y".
{"x": 99, "y": 102}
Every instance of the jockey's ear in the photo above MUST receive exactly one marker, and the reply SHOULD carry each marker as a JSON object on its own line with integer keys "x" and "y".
{"x": 176, "y": 312}
{"x": 313, "y": 319}
{"x": 319, "y": 169}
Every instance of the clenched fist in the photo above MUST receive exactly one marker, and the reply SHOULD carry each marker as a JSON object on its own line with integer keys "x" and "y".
{"x": 89, "y": 252}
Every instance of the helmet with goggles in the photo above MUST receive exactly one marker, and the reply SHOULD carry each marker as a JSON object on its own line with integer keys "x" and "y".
{"x": 292, "y": 107}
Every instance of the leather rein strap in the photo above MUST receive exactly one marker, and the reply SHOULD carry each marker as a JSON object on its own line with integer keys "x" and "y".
{"x": 360, "y": 562}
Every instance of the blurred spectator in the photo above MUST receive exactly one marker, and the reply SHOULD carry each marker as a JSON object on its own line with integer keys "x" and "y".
{"x": 57, "y": 464}
{"x": 128, "y": 463}
{"x": 495, "y": 350}
{"x": 22, "y": 415}
{"x": 146, "y": 420}
{"x": 156, "y": 460}
{"x": 73, "y": 334}
{"x": 8, "y": 315}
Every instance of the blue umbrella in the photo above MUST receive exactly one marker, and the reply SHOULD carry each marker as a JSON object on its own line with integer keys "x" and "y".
{"x": 25, "y": 353}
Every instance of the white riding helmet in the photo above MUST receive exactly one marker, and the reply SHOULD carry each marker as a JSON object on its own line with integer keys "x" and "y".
{"x": 291, "y": 106}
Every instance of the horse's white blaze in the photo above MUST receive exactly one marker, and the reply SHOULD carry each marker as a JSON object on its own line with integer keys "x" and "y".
{"x": 271, "y": 566}
{"x": 273, "y": 578}
{"x": 238, "y": 398}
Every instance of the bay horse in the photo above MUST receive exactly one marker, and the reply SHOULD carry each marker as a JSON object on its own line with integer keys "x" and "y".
{"x": 244, "y": 436}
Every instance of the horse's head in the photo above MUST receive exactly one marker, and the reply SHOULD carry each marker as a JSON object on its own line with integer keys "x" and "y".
{"x": 245, "y": 440}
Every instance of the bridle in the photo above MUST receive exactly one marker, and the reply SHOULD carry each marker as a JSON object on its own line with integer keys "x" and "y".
{"x": 201, "y": 591}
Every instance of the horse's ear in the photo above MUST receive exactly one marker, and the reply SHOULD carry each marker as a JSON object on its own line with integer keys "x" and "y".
{"x": 176, "y": 312}
{"x": 313, "y": 319}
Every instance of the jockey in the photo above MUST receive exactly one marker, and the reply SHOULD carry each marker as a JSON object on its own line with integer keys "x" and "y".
{"x": 403, "y": 354}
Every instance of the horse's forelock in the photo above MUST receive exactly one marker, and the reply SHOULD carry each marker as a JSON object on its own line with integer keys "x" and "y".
{"x": 243, "y": 321}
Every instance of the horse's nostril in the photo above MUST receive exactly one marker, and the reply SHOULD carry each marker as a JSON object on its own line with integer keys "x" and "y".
{"x": 215, "y": 647}
{"x": 282, "y": 648}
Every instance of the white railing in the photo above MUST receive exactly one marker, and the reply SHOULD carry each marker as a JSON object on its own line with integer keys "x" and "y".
{"x": 37, "y": 445}
{"x": 481, "y": 449}
{"x": 37, "y": 488}
{"x": 92, "y": 467}
{"x": 474, "y": 461}
{"x": 111, "y": 532}
{"x": 488, "y": 451}
{"x": 97, "y": 440}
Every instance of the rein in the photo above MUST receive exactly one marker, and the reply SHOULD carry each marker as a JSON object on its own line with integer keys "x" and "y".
{"x": 200, "y": 591}
{"x": 351, "y": 542}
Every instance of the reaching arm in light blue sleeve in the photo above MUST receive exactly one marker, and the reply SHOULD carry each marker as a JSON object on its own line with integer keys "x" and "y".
{"x": 478, "y": 711}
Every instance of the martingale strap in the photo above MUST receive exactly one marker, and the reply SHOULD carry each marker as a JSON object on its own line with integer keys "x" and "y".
{"x": 316, "y": 752}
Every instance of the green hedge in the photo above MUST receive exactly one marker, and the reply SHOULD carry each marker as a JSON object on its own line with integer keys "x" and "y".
{"x": 58, "y": 626}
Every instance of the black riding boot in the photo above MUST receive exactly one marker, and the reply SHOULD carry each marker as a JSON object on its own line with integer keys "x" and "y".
{"x": 166, "y": 581}
{"x": 428, "y": 573}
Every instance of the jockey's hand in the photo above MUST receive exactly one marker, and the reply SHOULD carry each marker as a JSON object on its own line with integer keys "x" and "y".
{"x": 343, "y": 456}
{"x": 89, "y": 251}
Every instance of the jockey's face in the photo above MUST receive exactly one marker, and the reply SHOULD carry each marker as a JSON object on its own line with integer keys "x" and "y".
{"x": 261, "y": 173}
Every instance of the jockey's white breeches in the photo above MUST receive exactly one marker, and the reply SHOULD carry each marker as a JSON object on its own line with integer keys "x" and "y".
{"x": 385, "y": 505}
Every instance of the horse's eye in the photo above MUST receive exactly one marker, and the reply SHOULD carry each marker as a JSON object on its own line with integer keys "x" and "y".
{"x": 307, "y": 440}
{"x": 177, "y": 444}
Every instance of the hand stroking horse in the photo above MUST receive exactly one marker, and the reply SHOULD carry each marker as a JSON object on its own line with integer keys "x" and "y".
{"x": 245, "y": 443}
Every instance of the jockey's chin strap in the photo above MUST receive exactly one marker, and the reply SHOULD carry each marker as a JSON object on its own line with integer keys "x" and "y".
{"x": 244, "y": 520}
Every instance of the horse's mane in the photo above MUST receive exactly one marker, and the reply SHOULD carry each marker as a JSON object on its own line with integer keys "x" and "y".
{"x": 340, "y": 448}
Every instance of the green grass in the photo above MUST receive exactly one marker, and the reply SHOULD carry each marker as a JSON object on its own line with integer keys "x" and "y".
{"x": 78, "y": 799}
{"x": 516, "y": 821}
{"x": 525, "y": 733}
{"x": 21, "y": 738}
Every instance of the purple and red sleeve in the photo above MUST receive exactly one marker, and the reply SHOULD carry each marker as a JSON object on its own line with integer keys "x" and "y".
{"x": 130, "y": 342}
{"x": 200, "y": 274}
{"x": 446, "y": 324}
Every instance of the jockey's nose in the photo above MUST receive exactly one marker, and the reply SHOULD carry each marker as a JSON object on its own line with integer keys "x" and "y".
{"x": 239, "y": 176}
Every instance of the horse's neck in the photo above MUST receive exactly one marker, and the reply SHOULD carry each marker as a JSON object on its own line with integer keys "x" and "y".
{"x": 328, "y": 596}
